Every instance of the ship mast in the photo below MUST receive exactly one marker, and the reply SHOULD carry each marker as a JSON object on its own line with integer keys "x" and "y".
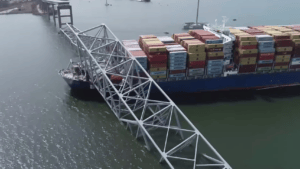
{"x": 197, "y": 12}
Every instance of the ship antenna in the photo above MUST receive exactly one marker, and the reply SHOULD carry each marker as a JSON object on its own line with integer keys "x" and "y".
{"x": 216, "y": 23}
{"x": 225, "y": 19}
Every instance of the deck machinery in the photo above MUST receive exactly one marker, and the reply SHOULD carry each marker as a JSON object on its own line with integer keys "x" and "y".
{"x": 160, "y": 124}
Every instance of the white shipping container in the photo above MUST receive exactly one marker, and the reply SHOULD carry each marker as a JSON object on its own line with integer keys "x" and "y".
{"x": 226, "y": 62}
{"x": 196, "y": 74}
{"x": 177, "y": 75}
{"x": 173, "y": 46}
{"x": 295, "y": 63}
{"x": 177, "y": 61}
{"x": 241, "y": 28}
{"x": 177, "y": 64}
{"x": 197, "y": 70}
{"x": 177, "y": 57}
{"x": 265, "y": 61}
{"x": 133, "y": 49}
{"x": 295, "y": 59}
{"x": 215, "y": 61}
{"x": 178, "y": 54}
{"x": 177, "y": 67}
{"x": 158, "y": 73}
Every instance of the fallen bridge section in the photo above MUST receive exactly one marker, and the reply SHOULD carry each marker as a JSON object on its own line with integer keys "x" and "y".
{"x": 158, "y": 123}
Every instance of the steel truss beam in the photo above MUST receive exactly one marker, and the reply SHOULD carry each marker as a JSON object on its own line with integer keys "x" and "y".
{"x": 160, "y": 123}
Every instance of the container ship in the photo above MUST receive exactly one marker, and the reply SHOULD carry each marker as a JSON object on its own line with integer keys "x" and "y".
{"x": 214, "y": 59}
{"x": 253, "y": 57}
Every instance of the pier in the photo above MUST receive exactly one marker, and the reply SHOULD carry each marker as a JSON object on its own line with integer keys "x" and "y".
{"x": 158, "y": 123}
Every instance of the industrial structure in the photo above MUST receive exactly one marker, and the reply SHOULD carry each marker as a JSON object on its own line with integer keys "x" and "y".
{"x": 160, "y": 124}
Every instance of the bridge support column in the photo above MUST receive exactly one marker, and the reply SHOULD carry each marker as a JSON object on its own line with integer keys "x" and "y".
{"x": 64, "y": 7}
{"x": 53, "y": 13}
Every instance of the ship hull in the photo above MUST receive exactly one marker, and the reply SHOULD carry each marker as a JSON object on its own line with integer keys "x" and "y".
{"x": 77, "y": 84}
{"x": 235, "y": 82}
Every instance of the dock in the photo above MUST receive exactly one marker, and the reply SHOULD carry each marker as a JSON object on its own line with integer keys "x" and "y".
{"x": 158, "y": 123}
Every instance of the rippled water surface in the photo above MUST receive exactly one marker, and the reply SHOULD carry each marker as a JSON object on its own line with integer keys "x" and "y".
{"x": 45, "y": 125}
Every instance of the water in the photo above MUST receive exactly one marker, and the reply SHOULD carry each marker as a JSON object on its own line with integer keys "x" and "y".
{"x": 45, "y": 125}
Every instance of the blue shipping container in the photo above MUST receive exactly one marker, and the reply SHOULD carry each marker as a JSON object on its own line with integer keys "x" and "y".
{"x": 267, "y": 50}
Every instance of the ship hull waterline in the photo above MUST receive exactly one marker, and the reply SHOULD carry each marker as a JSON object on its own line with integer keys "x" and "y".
{"x": 234, "y": 82}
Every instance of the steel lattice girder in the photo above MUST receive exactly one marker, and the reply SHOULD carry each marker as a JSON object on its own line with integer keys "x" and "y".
{"x": 103, "y": 55}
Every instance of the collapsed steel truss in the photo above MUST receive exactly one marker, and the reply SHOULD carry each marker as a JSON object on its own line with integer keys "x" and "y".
{"x": 159, "y": 123}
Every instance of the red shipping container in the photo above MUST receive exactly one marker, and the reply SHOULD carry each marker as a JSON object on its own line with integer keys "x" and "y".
{"x": 266, "y": 56}
{"x": 176, "y": 71}
{"x": 294, "y": 66}
{"x": 214, "y": 49}
{"x": 156, "y": 53}
{"x": 215, "y": 57}
{"x": 137, "y": 53}
{"x": 281, "y": 37}
{"x": 202, "y": 32}
{"x": 296, "y": 56}
{"x": 180, "y": 35}
{"x": 296, "y": 51}
{"x": 283, "y": 42}
{"x": 158, "y": 58}
{"x": 248, "y": 47}
{"x": 209, "y": 37}
{"x": 281, "y": 64}
{"x": 265, "y": 65}
{"x": 116, "y": 79}
{"x": 247, "y": 68}
{"x": 197, "y": 64}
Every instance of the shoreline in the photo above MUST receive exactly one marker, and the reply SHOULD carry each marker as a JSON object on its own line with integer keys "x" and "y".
{"x": 22, "y": 8}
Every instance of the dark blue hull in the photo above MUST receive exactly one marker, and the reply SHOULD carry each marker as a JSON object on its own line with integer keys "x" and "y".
{"x": 236, "y": 82}
{"x": 77, "y": 84}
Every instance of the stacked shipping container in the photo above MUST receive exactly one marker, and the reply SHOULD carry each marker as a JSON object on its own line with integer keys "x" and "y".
{"x": 283, "y": 45}
{"x": 177, "y": 56}
{"x": 245, "y": 52}
{"x": 213, "y": 49}
{"x": 266, "y": 53}
{"x": 157, "y": 56}
{"x": 200, "y": 52}
{"x": 295, "y": 57}
{"x": 196, "y": 57}
{"x": 133, "y": 47}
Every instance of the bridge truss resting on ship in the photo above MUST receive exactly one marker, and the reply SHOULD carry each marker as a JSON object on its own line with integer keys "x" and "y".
{"x": 158, "y": 123}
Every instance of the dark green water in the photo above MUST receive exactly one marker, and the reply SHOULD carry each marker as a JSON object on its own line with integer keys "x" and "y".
{"x": 45, "y": 125}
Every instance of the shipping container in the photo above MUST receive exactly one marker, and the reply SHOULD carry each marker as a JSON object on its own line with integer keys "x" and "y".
{"x": 284, "y": 43}
{"x": 215, "y": 54}
{"x": 262, "y": 69}
{"x": 265, "y": 61}
{"x": 247, "y": 68}
{"x": 281, "y": 67}
{"x": 158, "y": 69}
{"x": 266, "y": 56}
{"x": 248, "y": 51}
{"x": 267, "y": 50}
